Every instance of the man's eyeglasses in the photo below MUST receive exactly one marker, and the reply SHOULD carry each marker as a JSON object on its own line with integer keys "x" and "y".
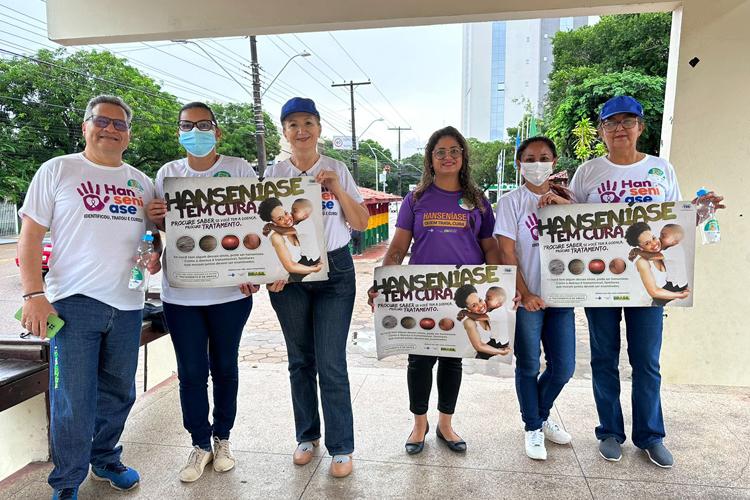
{"x": 103, "y": 122}
{"x": 202, "y": 125}
{"x": 441, "y": 153}
{"x": 627, "y": 123}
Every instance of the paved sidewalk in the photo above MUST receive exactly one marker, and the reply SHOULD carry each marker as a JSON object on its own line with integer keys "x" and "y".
{"x": 707, "y": 431}
{"x": 708, "y": 435}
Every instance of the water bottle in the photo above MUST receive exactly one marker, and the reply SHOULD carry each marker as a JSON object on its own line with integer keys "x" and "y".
{"x": 139, "y": 272}
{"x": 707, "y": 220}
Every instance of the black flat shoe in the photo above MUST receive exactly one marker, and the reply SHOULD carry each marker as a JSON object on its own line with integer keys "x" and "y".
{"x": 414, "y": 448}
{"x": 457, "y": 446}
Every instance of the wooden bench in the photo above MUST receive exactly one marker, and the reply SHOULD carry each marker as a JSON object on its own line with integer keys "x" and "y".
{"x": 25, "y": 365}
{"x": 24, "y": 371}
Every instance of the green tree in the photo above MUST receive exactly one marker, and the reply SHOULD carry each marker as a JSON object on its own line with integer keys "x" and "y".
{"x": 237, "y": 122}
{"x": 622, "y": 54}
{"x": 42, "y": 102}
{"x": 587, "y": 145}
{"x": 585, "y": 100}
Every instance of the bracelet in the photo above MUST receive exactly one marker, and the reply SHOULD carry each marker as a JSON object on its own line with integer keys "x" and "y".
{"x": 32, "y": 295}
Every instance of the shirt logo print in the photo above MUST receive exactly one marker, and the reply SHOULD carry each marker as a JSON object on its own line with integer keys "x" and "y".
{"x": 532, "y": 224}
{"x": 608, "y": 192}
{"x": 91, "y": 196}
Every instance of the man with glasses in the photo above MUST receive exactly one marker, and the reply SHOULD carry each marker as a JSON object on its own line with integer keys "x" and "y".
{"x": 94, "y": 206}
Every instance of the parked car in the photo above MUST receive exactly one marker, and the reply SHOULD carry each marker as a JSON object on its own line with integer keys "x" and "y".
{"x": 46, "y": 255}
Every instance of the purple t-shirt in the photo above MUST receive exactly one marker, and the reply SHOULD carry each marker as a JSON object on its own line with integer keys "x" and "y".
{"x": 446, "y": 230}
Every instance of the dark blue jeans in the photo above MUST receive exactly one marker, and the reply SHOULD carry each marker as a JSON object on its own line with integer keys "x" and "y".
{"x": 207, "y": 338}
{"x": 644, "y": 333}
{"x": 553, "y": 328}
{"x": 315, "y": 317}
{"x": 92, "y": 386}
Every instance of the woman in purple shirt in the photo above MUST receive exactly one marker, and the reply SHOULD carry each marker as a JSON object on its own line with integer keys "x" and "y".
{"x": 451, "y": 222}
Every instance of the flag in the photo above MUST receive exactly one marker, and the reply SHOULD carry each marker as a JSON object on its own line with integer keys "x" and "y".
{"x": 532, "y": 128}
{"x": 515, "y": 154}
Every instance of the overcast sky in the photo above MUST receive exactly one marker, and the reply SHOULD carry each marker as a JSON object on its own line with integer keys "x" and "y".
{"x": 416, "y": 72}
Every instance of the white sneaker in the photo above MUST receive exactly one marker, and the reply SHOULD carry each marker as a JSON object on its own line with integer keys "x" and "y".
{"x": 535, "y": 445}
{"x": 223, "y": 458}
{"x": 197, "y": 461}
{"x": 555, "y": 433}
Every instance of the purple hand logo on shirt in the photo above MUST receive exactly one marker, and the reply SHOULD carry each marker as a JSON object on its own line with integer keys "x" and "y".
{"x": 91, "y": 196}
{"x": 532, "y": 223}
{"x": 608, "y": 192}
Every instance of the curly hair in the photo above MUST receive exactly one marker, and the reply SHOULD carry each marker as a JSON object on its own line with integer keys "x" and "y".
{"x": 634, "y": 232}
{"x": 469, "y": 189}
{"x": 462, "y": 293}
{"x": 266, "y": 207}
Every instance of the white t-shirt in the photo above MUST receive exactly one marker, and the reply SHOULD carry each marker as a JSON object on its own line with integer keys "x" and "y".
{"x": 601, "y": 181}
{"x": 97, "y": 217}
{"x": 225, "y": 166}
{"x": 499, "y": 323}
{"x": 517, "y": 219}
{"x": 674, "y": 262}
{"x": 334, "y": 223}
{"x": 308, "y": 242}
{"x": 660, "y": 277}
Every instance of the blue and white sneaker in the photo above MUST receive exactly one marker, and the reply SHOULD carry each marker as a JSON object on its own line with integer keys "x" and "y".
{"x": 65, "y": 494}
{"x": 119, "y": 476}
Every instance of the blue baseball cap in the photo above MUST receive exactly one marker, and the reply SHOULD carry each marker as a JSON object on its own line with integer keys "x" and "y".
{"x": 621, "y": 104}
{"x": 298, "y": 105}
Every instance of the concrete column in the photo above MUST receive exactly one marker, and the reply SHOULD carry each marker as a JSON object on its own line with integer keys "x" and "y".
{"x": 706, "y": 136}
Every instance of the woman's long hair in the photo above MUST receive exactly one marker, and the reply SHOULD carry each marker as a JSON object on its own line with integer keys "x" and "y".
{"x": 555, "y": 188}
{"x": 469, "y": 190}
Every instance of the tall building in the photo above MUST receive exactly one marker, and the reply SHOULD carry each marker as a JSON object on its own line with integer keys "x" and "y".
{"x": 506, "y": 65}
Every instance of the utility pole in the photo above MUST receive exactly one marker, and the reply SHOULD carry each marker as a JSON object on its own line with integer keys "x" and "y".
{"x": 260, "y": 127}
{"x": 399, "y": 154}
{"x": 351, "y": 85}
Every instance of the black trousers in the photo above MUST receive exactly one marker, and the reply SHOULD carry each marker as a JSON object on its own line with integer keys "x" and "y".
{"x": 419, "y": 380}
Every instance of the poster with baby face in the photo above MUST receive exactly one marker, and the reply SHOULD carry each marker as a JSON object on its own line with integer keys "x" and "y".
{"x": 460, "y": 312}
{"x": 617, "y": 254}
{"x": 224, "y": 231}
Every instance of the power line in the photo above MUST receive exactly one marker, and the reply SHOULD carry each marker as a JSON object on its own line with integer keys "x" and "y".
{"x": 24, "y": 14}
{"x": 320, "y": 58}
{"x": 368, "y": 77}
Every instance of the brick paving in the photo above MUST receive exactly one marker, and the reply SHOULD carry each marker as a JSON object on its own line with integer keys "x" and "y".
{"x": 263, "y": 342}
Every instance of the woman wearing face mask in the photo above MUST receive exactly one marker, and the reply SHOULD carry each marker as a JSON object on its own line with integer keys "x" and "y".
{"x": 205, "y": 324}
{"x": 553, "y": 327}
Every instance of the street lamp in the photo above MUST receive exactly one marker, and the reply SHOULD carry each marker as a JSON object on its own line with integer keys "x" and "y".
{"x": 375, "y": 155}
{"x": 301, "y": 54}
{"x": 367, "y": 127}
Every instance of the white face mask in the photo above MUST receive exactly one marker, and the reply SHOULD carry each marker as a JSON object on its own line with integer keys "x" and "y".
{"x": 537, "y": 172}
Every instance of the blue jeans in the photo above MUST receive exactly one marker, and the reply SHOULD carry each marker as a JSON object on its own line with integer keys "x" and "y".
{"x": 207, "y": 338}
{"x": 315, "y": 317}
{"x": 92, "y": 386}
{"x": 644, "y": 333}
{"x": 553, "y": 328}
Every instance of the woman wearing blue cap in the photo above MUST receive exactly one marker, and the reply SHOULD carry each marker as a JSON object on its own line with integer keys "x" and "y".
{"x": 315, "y": 316}
{"x": 619, "y": 177}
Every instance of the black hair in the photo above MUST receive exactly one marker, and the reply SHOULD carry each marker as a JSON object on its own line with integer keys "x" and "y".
{"x": 634, "y": 231}
{"x": 469, "y": 188}
{"x": 531, "y": 140}
{"x": 462, "y": 293}
{"x": 198, "y": 105}
{"x": 266, "y": 207}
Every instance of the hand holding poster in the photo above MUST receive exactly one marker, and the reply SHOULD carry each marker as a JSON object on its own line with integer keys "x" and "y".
{"x": 617, "y": 254}
{"x": 460, "y": 312}
{"x": 225, "y": 230}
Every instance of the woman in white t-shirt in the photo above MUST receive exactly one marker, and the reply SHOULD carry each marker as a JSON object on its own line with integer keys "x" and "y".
{"x": 536, "y": 324}
{"x": 315, "y": 315}
{"x": 205, "y": 324}
{"x": 627, "y": 175}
